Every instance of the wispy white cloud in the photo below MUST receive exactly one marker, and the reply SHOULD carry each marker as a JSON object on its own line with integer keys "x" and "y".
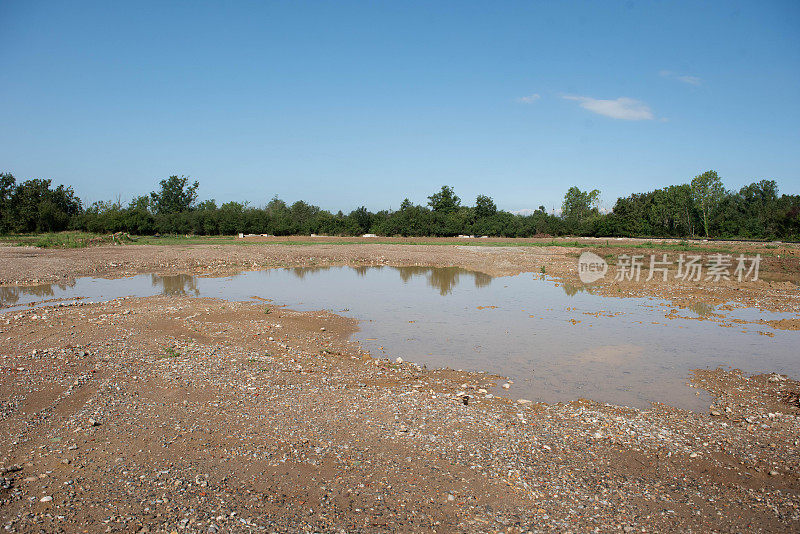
{"x": 685, "y": 78}
{"x": 692, "y": 80}
{"x": 621, "y": 108}
{"x": 530, "y": 99}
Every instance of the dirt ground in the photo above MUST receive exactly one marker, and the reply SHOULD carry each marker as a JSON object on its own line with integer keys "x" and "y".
{"x": 171, "y": 414}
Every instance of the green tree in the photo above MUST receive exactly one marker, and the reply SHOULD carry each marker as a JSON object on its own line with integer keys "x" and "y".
{"x": 231, "y": 218}
{"x": 578, "y": 205}
{"x": 7, "y": 185}
{"x": 707, "y": 192}
{"x": 362, "y": 218}
{"x": 140, "y": 203}
{"x": 207, "y": 205}
{"x": 34, "y": 207}
{"x": 176, "y": 195}
{"x": 303, "y": 216}
{"x": 279, "y": 218}
{"x": 445, "y": 201}
{"x": 484, "y": 206}
{"x": 276, "y": 207}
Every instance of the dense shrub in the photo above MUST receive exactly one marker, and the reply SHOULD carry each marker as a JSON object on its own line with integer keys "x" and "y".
{"x": 756, "y": 211}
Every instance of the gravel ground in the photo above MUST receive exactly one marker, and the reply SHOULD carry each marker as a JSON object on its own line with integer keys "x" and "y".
{"x": 198, "y": 415}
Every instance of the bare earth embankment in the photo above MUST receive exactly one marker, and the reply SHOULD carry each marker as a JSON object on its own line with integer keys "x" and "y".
{"x": 171, "y": 414}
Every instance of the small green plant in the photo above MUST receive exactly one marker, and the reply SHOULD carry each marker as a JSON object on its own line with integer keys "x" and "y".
{"x": 170, "y": 352}
{"x": 542, "y": 269}
{"x": 267, "y": 311}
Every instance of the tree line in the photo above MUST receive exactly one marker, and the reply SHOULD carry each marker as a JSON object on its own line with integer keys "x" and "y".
{"x": 702, "y": 207}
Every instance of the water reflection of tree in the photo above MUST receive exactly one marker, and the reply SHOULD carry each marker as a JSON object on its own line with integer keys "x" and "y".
{"x": 482, "y": 279}
{"x": 179, "y": 284}
{"x": 11, "y": 294}
{"x": 301, "y": 272}
{"x": 573, "y": 289}
{"x": 407, "y": 273}
{"x": 702, "y": 308}
{"x": 445, "y": 279}
{"x": 362, "y": 269}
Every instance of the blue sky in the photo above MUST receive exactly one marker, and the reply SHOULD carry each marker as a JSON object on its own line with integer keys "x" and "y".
{"x": 350, "y": 103}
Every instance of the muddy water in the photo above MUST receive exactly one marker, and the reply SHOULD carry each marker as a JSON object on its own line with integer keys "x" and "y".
{"x": 555, "y": 342}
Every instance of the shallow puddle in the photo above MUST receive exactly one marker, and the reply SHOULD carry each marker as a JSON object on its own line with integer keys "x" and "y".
{"x": 555, "y": 342}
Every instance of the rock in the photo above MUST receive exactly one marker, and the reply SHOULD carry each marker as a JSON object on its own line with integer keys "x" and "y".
{"x": 773, "y": 473}
{"x": 399, "y": 360}
{"x": 46, "y": 498}
{"x": 10, "y": 469}
{"x": 93, "y": 422}
{"x": 715, "y": 413}
{"x": 693, "y": 455}
{"x": 524, "y": 401}
{"x": 506, "y": 385}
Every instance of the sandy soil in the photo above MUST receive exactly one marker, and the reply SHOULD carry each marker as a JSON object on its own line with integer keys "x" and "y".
{"x": 196, "y": 415}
